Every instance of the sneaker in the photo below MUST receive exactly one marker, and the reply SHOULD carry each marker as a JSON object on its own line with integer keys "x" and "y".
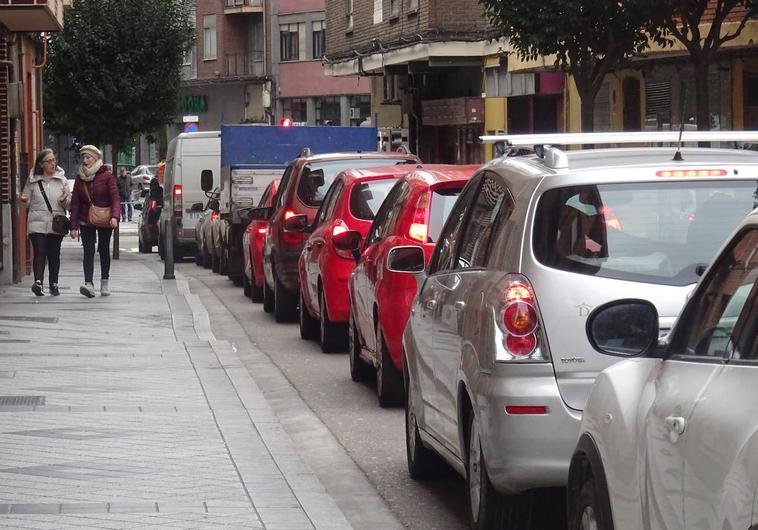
{"x": 37, "y": 289}
{"x": 87, "y": 290}
{"x": 54, "y": 289}
{"x": 104, "y": 291}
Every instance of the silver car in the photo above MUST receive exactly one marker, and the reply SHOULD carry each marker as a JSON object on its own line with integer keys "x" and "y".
{"x": 498, "y": 363}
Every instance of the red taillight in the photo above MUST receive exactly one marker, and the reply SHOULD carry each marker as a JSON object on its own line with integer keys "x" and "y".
{"x": 519, "y": 319}
{"x": 515, "y": 409}
{"x": 177, "y": 194}
{"x": 262, "y": 231}
{"x": 691, "y": 173}
{"x": 517, "y": 291}
{"x": 214, "y": 216}
{"x": 287, "y": 214}
{"x": 419, "y": 229}
{"x": 521, "y": 346}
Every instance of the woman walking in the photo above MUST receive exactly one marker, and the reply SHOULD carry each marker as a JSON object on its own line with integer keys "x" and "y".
{"x": 46, "y": 194}
{"x": 95, "y": 195}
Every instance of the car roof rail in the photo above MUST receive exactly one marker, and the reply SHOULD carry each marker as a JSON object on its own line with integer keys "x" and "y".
{"x": 305, "y": 152}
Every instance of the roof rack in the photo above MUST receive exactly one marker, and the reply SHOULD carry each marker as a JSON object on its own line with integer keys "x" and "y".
{"x": 621, "y": 138}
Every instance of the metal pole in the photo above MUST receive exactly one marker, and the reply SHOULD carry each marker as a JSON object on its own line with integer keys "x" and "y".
{"x": 168, "y": 249}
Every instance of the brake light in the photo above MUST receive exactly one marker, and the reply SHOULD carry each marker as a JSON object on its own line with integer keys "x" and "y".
{"x": 518, "y": 292}
{"x": 214, "y": 216}
{"x": 262, "y": 231}
{"x": 691, "y": 173}
{"x": 520, "y": 318}
{"x": 177, "y": 194}
{"x": 419, "y": 228}
{"x": 519, "y": 321}
{"x": 288, "y": 213}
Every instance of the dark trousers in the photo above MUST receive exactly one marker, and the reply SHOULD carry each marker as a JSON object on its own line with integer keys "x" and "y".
{"x": 47, "y": 248}
{"x": 103, "y": 236}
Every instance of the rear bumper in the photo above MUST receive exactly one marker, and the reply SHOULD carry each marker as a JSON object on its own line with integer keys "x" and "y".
{"x": 525, "y": 451}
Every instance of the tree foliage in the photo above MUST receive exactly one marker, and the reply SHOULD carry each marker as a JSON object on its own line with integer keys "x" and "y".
{"x": 588, "y": 37}
{"x": 114, "y": 70}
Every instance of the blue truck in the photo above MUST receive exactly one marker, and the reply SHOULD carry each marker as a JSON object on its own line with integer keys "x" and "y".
{"x": 254, "y": 155}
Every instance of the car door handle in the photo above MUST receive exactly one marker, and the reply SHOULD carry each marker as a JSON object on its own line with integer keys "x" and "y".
{"x": 675, "y": 424}
{"x": 430, "y": 304}
{"x": 459, "y": 305}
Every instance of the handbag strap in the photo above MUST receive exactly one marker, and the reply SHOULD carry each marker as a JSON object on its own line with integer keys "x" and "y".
{"x": 44, "y": 196}
{"x": 86, "y": 192}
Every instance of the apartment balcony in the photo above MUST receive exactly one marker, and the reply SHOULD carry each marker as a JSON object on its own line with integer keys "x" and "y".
{"x": 32, "y": 15}
{"x": 233, "y": 7}
{"x": 245, "y": 64}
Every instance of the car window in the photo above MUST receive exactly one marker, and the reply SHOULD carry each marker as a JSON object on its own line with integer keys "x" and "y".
{"x": 367, "y": 197}
{"x": 283, "y": 185}
{"x": 380, "y": 221}
{"x": 396, "y": 209}
{"x": 654, "y": 232}
{"x": 709, "y": 320}
{"x": 442, "y": 203}
{"x": 484, "y": 210}
{"x": 264, "y": 198}
{"x": 447, "y": 247}
{"x": 330, "y": 202}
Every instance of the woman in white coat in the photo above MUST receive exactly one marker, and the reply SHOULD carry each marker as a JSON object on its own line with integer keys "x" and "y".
{"x": 47, "y": 176}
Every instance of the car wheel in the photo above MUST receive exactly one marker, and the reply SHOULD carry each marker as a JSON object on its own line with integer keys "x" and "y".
{"x": 389, "y": 383}
{"x": 422, "y": 462}
{"x": 588, "y": 508}
{"x": 333, "y": 335}
{"x": 140, "y": 244}
{"x": 359, "y": 369}
{"x": 245, "y": 285}
{"x": 308, "y": 324}
{"x": 268, "y": 298}
{"x": 285, "y": 304}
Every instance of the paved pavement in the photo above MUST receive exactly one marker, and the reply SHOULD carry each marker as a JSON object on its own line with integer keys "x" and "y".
{"x": 127, "y": 412}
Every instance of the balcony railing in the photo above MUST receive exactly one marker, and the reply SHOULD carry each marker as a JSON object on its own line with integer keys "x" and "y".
{"x": 32, "y": 15}
{"x": 245, "y": 64}
{"x": 243, "y": 6}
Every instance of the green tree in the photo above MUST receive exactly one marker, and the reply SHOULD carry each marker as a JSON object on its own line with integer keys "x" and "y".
{"x": 114, "y": 70}
{"x": 688, "y": 22}
{"x": 589, "y": 38}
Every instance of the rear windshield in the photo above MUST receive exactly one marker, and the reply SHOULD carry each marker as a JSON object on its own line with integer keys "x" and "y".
{"x": 442, "y": 204}
{"x": 367, "y": 197}
{"x": 662, "y": 232}
{"x": 312, "y": 190}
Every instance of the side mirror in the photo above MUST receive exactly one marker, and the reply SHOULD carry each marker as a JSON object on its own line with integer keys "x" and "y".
{"x": 206, "y": 180}
{"x": 213, "y": 205}
{"x": 408, "y": 259}
{"x": 349, "y": 241}
{"x": 624, "y": 328}
{"x": 138, "y": 206}
{"x": 296, "y": 223}
{"x": 197, "y": 207}
{"x": 261, "y": 214}
{"x": 317, "y": 177}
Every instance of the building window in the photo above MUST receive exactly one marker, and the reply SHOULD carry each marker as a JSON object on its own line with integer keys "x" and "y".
{"x": 328, "y": 111}
{"x": 209, "y": 37}
{"x": 390, "y": 88}
{"x": 349, "y": 11}
{"x": 296, "y": 109}
{"x": 291, "y": 42}
{"x": 394, "y": 8}
{"x": 412, "y": 6}
{"x": 319, "y": 39}
{"x": 360, "y": 109}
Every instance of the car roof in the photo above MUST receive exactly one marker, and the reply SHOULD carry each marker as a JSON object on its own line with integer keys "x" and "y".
{"x": 359, "y": 155}
{"x": 430, "y": 174}
{"x": 378, "y": 172}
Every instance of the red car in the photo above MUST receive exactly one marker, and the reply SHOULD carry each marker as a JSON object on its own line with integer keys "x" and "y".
{"x": 349, "y": 206}
{"x": 252, "y": 245}
{"x": 380, "y": 300}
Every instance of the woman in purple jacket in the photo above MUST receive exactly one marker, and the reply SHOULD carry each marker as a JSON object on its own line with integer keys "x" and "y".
{"x": 102, "y": 189}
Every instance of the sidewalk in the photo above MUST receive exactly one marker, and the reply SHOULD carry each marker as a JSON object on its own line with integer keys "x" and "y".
{"x": 126, "y": 412}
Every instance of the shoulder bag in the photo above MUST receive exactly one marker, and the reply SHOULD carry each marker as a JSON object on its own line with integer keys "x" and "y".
{"x": 60, "y": 222}
{"x": 99, "y": 216}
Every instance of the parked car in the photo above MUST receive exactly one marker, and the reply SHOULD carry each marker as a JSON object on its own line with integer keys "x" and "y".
{"x": 147, "y": 224}
{"x": 252, "y": 244}
{"x": 141, "y": 176}
{"x": 303, "y": 186}
{"x": 668, "y": 437}
{"x": 380, "y": 299}
{"x": 498, "y": 365}
{"x": 204, "y": 231}
{"x": 349, "y": 208}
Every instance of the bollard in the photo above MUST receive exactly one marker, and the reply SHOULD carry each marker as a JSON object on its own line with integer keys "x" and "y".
{"x": 168, "y": 249}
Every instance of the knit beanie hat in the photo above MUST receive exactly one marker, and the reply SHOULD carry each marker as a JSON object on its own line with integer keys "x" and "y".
{"x": 94, "y": 151}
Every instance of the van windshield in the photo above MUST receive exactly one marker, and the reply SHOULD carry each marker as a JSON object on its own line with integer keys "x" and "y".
{"x": 662, "y": 232}
{"x": 318, "y": 176}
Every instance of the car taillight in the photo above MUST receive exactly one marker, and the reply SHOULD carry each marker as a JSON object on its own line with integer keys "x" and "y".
{"x": 214, "y": 215}
{"x": 177, "y": 193}
{"x": 691, "y": 173}
{"x": 262, "y": 231}
{"x": 287, "y": 214}
{"x": 418, "y": 230}
{"x": 519, "y": 321}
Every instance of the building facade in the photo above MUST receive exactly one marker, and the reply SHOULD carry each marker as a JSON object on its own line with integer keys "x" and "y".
{"x": 23, "y": 53}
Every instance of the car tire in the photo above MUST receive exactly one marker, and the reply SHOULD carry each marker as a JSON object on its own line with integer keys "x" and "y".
{"x": 268, "y": 298}
{"x": 245, "y": 285}
{"x": 141, "y": 245}
{"x": 585, "y": 511}
{"x": 215, "y": 263}
{"x": 333, "y": 335}
{"x": 389, "y": 383}
{"x": 359, "y": 369}
{"x": 308, "y": 325}
{"x": 285, "y": 304}
{"x": 423, "y": 463}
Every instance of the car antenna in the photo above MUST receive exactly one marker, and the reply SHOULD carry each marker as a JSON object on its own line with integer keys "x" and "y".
{"x": 678, "y": 153}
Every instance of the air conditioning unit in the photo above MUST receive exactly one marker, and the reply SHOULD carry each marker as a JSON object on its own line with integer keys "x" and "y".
{"x": 355, "y": 113}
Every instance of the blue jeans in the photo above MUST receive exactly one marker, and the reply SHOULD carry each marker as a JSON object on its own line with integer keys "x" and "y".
{"x": 126, "y": 206}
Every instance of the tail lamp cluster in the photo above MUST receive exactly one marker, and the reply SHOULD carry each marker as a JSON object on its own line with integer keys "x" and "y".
{"x": 419, "y": 226}
{"x": 177, "y": 195}
{"x": 519, "y": 321}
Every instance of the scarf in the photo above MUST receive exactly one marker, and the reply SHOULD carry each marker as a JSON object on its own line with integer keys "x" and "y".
{"x": 88, "y": 175}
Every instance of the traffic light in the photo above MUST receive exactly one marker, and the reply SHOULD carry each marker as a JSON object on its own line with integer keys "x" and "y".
{"x": 285, "y": 122}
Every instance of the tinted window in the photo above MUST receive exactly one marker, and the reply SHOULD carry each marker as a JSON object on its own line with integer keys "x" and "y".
{"x": 312, "y": 190}
{"x": 283, "y": 185}
{"x": 475, "y": 243}
{"x": 442, "y": 203}
{"x": 266, "y": 193}
{"x": 377, "y": 228}
{"x": 331, "y": 200}
{"x": 367, "y": 197}
{"x": 447, "y": 247}
{"x": 662, "y": 232}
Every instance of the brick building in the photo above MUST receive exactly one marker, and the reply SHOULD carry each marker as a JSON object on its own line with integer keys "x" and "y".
{"x": 23, "y": 53}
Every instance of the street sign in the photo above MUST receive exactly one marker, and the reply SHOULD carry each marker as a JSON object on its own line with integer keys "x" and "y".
{"x": 190, "y": 127}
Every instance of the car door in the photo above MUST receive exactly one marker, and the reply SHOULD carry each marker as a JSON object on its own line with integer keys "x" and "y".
{"x": 720, "y": 441}
{"x": 459, "y": 297}
{"x": 425, "y": 315}
{"x": 315, "y": 246}
{"x": 700, "y": 347}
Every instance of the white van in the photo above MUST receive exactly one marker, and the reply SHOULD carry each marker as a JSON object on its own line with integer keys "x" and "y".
{"x": 188, "y": 155}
